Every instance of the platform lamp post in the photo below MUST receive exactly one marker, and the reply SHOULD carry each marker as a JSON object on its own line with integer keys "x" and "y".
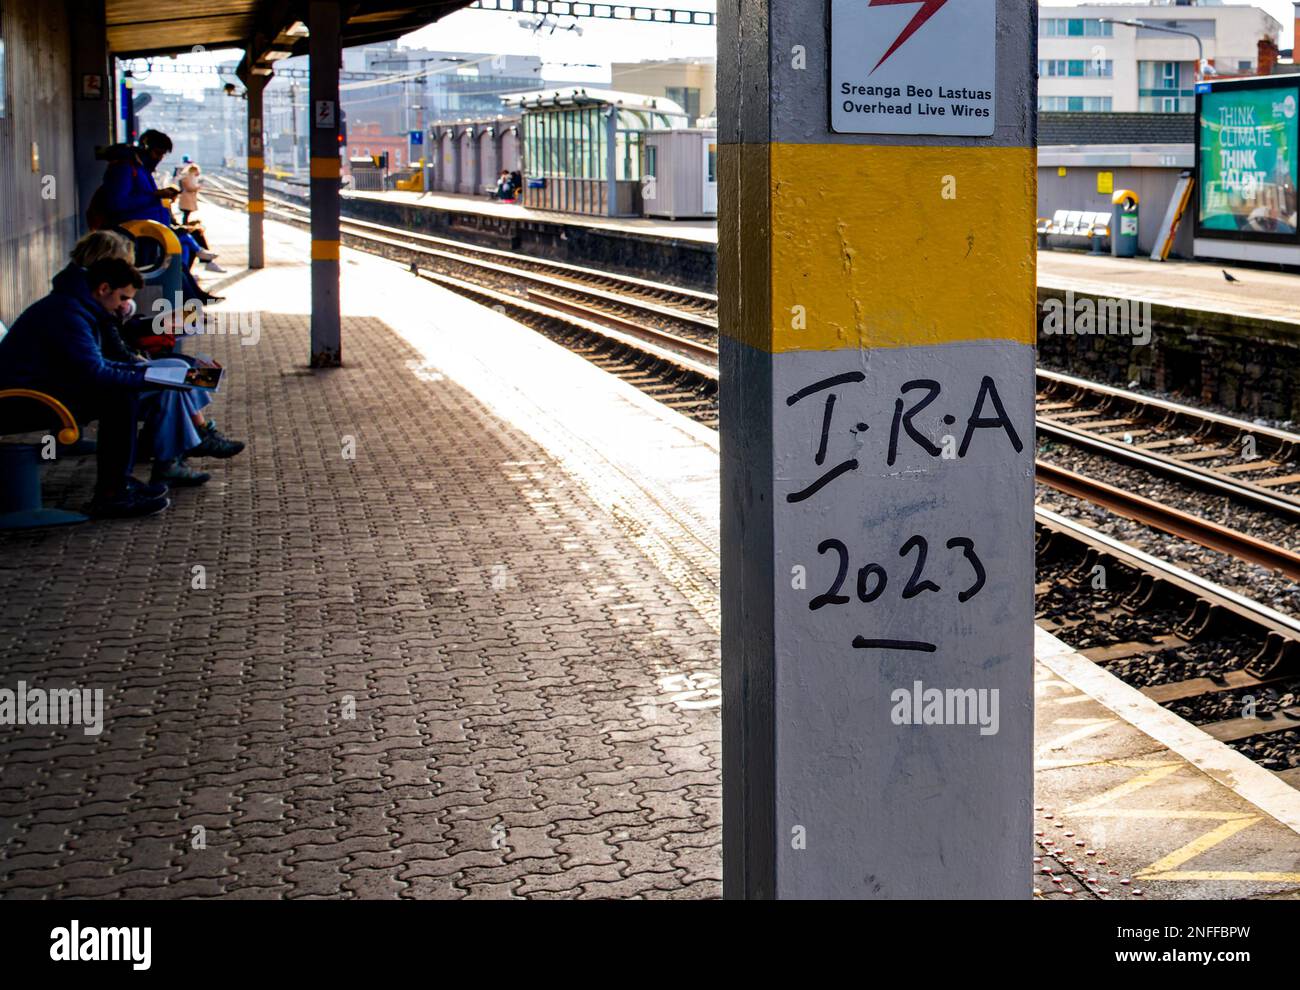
{"x": 1201, "y": 68}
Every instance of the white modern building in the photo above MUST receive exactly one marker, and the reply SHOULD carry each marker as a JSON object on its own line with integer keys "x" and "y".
{"x": 1087, "y": 63}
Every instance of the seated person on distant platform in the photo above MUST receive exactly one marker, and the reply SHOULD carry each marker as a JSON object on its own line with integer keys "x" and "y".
{"x": 505, "y": 187}
{"x": 54, "y": 347}
{"x": 130, "y": 193}
{"x": 174, "y": 425}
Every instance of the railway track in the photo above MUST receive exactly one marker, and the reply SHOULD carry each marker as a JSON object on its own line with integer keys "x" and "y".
{"x": 1205, "y": 652}
{"x": 1224, "y": 662}
{"x": 663, "y": 339}
{"x": 1256, "y": 465}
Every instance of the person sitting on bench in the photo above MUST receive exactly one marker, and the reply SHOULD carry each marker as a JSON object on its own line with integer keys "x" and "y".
{"x": 130, "y": 193}
{"x": 174, "y": 424}
{"x": 54, "y": 347}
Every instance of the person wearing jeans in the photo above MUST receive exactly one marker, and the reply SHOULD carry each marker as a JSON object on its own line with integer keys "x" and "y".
{"x": 54, "y": 347}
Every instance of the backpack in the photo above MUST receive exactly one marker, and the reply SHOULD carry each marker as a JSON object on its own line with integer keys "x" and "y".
{"x": 97, "y": 217}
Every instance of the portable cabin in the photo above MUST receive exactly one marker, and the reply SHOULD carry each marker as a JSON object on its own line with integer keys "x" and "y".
{"x": 680, "y": 173}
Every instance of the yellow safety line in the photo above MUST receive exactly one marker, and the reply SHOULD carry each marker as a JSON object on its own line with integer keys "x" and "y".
{"x": 1197, "y": 846}
{"x": 1263, "y": 876}
{"x": 1091, "y": 729}
{"x": 1128, "y": 787}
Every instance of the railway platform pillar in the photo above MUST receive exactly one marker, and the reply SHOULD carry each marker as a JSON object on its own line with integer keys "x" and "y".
{"x": 325, "y": 53}
{"x": 256, "y": 171}
{"x": 877, "y": 307}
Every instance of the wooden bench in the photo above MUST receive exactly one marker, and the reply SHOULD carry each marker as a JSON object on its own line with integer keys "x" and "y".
{"x": 1093, "y": 226}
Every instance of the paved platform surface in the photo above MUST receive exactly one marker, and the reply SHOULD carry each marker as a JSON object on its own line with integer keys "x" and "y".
{"x": 438, "y": 669}
{"x": 688, "y": 230}
{"x": 1195, "y": 285}
{"x": 477, "y": 659}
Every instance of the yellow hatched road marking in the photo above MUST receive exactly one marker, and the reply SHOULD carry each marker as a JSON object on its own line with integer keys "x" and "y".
{"x": 1128, "y": 787}
{"x": 1092, "y": 727}
{"x": 1165, "y": 868}
{"x": 1197, "y": 846}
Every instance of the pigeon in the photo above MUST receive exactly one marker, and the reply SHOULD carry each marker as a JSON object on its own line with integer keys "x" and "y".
{"x": 1230, "y": 278}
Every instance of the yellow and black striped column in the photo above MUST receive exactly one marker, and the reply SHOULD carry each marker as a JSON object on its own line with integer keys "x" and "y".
{"x": 256, "y": 172}
{"x": 324, "y": 23}
{"x": 877, "y": 297}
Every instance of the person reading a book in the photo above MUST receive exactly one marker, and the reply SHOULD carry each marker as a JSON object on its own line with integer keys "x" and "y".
{"x": 129, "y": 192}
{"x": 174, "y": 426}
{"x": 54, "y": 347}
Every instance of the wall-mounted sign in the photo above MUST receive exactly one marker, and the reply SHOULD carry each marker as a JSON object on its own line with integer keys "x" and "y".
{"x": 1106, "y": 182}
{"x": 324, "y": 113}
{"x": 92, "y": 86}
{"x": 913, "y": 66}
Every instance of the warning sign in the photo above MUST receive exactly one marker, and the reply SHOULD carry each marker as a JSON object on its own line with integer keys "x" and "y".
{"x": 913, "y": 66}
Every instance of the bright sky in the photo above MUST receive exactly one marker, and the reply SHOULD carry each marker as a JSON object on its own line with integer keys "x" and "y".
{"x": 569, "y": 45}
{"x": 1281, "y": 10}
{"x": 577, "y": 49}
{"x": 582, "y": 48}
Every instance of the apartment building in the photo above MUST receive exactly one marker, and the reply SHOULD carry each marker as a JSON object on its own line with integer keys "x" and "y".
{"x": 691, "y": 83}
{"x": 1089, "y": 63}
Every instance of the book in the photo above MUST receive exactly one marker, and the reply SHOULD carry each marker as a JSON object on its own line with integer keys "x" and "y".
{"x": 185, "y": 377}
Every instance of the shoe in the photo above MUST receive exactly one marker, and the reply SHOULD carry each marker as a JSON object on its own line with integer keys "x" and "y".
{"x": 178, "y": 474}
{"x": 205, "y": 255}
{"x": 126, "y": 504}
{"x": 151, "y": 489}
{"x": 212, "y": 266}
{"x": 214, "y": 444}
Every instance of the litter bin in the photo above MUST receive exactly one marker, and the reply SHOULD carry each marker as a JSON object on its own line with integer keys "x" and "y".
{"x": 1124, "y": 232}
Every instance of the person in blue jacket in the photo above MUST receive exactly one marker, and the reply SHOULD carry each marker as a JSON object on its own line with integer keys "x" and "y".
{"x": 54, "y": 347}
{"x": 130, "y": 193}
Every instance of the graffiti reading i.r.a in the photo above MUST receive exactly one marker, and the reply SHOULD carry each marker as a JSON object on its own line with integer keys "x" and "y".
{"x": 906, "y": 438}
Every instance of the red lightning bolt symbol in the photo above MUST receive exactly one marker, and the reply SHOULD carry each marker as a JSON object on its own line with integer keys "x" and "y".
{"x": 928, "y": 9}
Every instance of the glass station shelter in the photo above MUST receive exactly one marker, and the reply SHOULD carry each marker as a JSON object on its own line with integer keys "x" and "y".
{"x": 582, "y": 147}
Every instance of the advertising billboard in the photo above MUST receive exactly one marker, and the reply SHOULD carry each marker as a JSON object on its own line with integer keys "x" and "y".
{"x": 1247, "y": 160}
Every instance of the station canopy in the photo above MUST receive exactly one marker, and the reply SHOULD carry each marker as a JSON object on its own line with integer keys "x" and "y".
{"x": 267, "y": 30}
{"x": 579, "y": 96}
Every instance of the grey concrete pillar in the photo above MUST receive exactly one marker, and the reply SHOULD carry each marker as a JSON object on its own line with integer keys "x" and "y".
{"x": 256, "y": 171}
{"x": 457, "y": 157}
{"x": 877, "y": 303}
{"x": 324, "y": 23}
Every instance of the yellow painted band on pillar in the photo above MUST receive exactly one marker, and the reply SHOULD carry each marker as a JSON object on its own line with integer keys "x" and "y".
{"x": 256, "y": 206}
{"x": 256, "y": 162}
{"x": 324, "y": 250}
{"x": 891, "y": 246}
{"x": 325, "y": 168}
